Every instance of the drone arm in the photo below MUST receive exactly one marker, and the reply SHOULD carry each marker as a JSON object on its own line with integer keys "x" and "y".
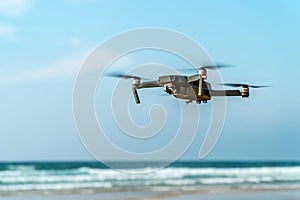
{"x": 149, "y": 84}
{"x": 225, "y": 93}
{"x": 137, "y": 85}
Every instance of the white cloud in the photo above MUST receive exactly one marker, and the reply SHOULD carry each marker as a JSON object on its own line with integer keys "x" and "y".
{"x": 64, "y": 68}
{"x": 14, "y": 7}
{"x": 7, "y": 31}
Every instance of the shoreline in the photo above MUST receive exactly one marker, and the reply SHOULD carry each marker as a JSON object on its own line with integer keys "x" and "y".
{"x": 209, "y": 193}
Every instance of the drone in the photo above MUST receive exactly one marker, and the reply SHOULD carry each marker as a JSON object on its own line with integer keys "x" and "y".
{"x": 192, "y": 88}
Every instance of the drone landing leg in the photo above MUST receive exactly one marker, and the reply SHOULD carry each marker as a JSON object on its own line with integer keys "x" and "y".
{"x": 136, "y": 96}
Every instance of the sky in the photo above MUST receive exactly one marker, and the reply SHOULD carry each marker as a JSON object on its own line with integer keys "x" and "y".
{"x": 43, "y": 45}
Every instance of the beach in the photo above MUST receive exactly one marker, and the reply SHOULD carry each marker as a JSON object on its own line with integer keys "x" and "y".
{"x": 179, "y": 195}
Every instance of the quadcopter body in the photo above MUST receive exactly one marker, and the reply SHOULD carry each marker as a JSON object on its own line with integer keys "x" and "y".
{"x": 192, "y": 88}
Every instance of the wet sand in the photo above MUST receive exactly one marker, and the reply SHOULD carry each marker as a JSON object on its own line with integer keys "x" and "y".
{"x": 173, "y": 195}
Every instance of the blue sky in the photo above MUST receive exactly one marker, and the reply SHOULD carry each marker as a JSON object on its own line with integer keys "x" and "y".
{"x": 43, "y": 45}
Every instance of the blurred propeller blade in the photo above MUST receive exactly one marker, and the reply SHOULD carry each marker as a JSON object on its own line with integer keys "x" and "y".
{"x": 258, "y": 86}
{"x": 243, "y": 85}
{"x": 211, "y": 67}
{"x": 217, "y": 66}
{"x": 122, "y": 75}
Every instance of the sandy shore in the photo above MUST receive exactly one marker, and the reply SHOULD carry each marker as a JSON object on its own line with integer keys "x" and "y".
{"x": 173, "y": 195}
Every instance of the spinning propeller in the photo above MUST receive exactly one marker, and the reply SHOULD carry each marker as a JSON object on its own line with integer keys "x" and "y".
{"x": 243, "y": 85}
{"x": 202, "y": 72}
{"x": 123, "y": 75}
{"x": 211, "y": 67}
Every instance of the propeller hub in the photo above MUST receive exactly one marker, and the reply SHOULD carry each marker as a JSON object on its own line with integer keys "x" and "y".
{"x": 136, "y": 81}
{"x": 202, "y": 73}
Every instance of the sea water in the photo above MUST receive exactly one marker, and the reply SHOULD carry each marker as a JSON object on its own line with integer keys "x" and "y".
{"x": 63, "y": 176}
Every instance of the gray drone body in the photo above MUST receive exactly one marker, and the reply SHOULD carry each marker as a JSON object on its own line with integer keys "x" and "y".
{"x": 190, "y": 88}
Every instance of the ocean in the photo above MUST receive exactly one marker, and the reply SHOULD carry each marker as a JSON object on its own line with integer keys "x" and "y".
{"x": 61, "y": 177}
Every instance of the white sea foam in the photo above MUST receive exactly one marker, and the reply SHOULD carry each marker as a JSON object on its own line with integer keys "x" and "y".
{"x": 16, "y": 179}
